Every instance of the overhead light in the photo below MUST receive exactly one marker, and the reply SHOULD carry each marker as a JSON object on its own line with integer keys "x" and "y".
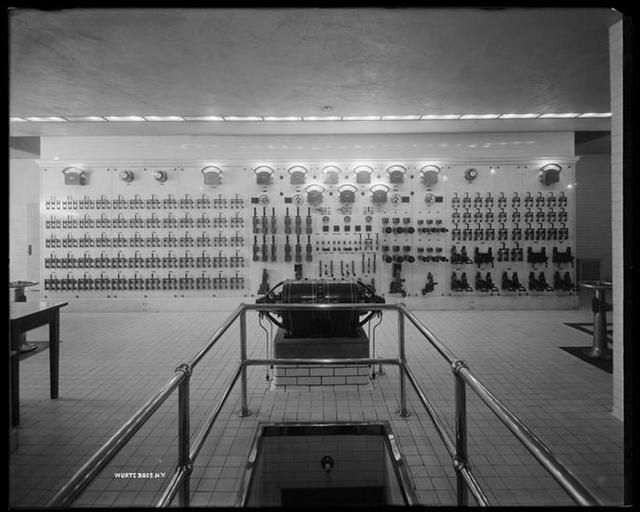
{"x": 282, "y": 118}
{"x": 203, "y": 118}
{"x": 164, "y": 118}
{"x": 17, "y": 120}
{"x": 75, "y": 119}
{"x": 399, "y": 118}
{"x": 360, "y": 118}
{"x": 321, "y": 118}
{"x": 51, "y": 119}
{"x": 558, "y": 116}
{"x": 479, "y": 116}
{"x": 124, "y": 118}
{"x": 440, "y": 116}
{"x": 518, "y": 116}
{"x": 242, "y": 118}
{"x": 595, "y": 114}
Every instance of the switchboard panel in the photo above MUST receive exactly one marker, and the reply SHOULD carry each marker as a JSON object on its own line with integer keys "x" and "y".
{"x": 409, "y": 228}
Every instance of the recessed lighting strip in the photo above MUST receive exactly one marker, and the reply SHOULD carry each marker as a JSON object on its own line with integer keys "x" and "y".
{"x": 422, "y": 117}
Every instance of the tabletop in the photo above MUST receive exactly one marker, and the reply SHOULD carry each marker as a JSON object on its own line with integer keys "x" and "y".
{"x": 22, "y": 309}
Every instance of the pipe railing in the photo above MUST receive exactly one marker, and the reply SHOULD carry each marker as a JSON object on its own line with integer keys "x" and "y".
{"x": 187, "y": 452}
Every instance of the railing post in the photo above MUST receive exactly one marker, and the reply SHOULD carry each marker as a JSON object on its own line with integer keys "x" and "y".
{"x": 461, "y": 459}
{"x": 244, "y": 409}
{"x": 184, "y": 436}
{"x": 403, "y": 359}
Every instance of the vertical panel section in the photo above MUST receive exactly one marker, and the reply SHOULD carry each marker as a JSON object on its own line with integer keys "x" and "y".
{"x": 616, "y": 73}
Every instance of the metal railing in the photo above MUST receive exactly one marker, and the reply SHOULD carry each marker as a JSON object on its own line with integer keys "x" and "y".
{"x": 457, "y": 449}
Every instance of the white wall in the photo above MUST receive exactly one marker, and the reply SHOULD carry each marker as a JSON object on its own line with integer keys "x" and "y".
{"x": 24, "y": 212}
{"x": 593, "y": 211}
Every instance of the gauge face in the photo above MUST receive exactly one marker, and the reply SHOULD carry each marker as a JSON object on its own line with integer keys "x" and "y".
{"x": 264, "y": 199}
{"x": 470, "y": 174}
{"x": 298, "y": 199}
{"x": 396, "y": 199}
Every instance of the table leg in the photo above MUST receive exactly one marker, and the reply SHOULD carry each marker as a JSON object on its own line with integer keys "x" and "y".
{"x": 15, "y": 378}
{"x": 54, "y": 351}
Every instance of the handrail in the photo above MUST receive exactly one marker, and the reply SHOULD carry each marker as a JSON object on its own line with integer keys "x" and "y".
{"x": 83, "y": 477}
{"x": 537, "y": 448}
{"x": 457, "y": 450}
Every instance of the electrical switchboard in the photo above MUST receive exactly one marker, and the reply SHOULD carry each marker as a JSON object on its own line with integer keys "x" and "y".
{"x": 409, "y": 229}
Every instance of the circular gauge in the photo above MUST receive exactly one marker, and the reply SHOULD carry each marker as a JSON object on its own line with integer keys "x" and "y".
{"x": 470, "y": 174}
{"x": 325, "y": 219}
{"x": 264, "y": 199}
{"x": 429, "y": 199}
{"x": 368, "y": 218}
{"x": 396, "y": 199}
{"x": 298, "y": 199}
{"x": 347, "y": 219}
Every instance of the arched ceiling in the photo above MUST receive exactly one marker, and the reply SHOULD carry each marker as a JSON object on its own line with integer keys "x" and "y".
{"x": 359, "y": 61}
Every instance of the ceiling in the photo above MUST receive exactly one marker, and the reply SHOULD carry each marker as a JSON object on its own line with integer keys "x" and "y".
{"x": 280, "y": 62}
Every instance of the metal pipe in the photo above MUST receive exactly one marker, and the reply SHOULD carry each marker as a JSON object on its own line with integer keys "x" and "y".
{"x": 90, "y": 469}
{"x": 216, "y": 336}
{"x": 474, "y": 487}
{"x": 201, "y": 437}
{"x": 437, "y": 422}
{"x": 172, "y": 489}
{"x": 461, "y": 459}
{"x": 244, "y": 410}
{"x": 350, "y": 360}
{"x": 431, "y": 338}
{"x": 184, "y": 431}
{"x": 403, "y": 359}
{"x": 537, "y": 448}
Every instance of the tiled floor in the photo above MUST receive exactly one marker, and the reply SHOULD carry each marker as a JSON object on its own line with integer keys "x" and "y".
{"x": 111, "y": 363}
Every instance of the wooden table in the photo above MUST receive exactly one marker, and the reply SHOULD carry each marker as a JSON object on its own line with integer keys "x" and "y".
{"x": 25, "y": 316}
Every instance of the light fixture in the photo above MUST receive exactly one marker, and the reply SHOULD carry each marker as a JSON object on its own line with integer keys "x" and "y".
{"x": 479, "y": 116}
{"x": 400, "y": 118}
{"x": 50, "y": 119}
{"x": 282, "y": 118}
{"x": 242, "y": 118}
{"x": 82, "y": 119}
{"x": 17, "y": 120}
{"x": 595, "y": 114}
{"x": 558, "y": 116}
{"x": 203, "y": 118}
{"x": 321, "y": 118}
{"x": 164, "y": 118}
{"x": 427, "y": 117}
{"x": 519, "y": 116}
{"x": 360, "y": 118}
{"x": 124, "y": 118}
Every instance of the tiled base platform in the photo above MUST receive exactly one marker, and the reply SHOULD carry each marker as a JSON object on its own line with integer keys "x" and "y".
{"x": 112, "y": 363}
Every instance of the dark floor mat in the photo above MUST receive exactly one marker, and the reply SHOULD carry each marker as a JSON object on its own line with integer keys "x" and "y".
{"x": 587, "y": 328}
{"x": 605, "y": 364}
